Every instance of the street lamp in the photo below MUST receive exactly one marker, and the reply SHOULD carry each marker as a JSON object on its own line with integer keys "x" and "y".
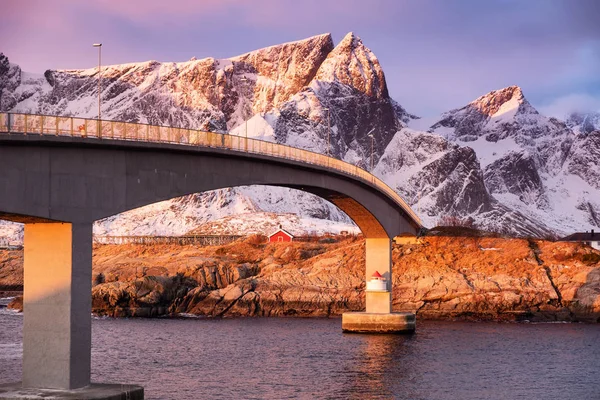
{"x": 328, "y": 130}
{"x": 370, "y": 134}
{"x": 99, "y": 46}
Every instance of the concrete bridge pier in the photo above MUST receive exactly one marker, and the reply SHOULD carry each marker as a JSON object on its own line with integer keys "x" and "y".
{"x": 57, "y": 328}
{"x": 57, "y": 325}
{"x": 378, "y": 317}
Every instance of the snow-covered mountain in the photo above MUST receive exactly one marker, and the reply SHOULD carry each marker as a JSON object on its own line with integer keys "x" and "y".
{"x": 584, "y": 122}
{"x": 304, "y": 90}
{"x": 545, "y": 175}
{"x": 440, "y": 178}
{"x": 496, "y": 162}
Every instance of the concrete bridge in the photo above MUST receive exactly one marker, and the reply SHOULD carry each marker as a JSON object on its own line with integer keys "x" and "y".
{"x": 59, "y": 175}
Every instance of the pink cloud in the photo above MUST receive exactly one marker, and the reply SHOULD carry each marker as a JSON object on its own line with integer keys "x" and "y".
{"x": 34, "y": 16}
{"x": 257, "y": 13}
{"x": 277, "y": 13}
{"x": 150, "y": 10}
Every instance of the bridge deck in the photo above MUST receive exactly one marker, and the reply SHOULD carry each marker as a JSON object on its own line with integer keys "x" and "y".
{"x": 93, "y": 129}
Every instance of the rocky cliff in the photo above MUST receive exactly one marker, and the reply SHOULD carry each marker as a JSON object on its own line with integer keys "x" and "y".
{"x": 539, "y": 168}
{"x": 439, "y": 277}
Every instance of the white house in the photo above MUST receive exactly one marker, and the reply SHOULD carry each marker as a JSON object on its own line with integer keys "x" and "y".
{"x": 590, "y": 238}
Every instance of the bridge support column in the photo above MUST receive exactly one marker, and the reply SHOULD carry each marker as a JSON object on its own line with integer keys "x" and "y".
{"x": 378, "y": 317}
{"x": 57, "y": 324}
{"x": 57, "y": 305}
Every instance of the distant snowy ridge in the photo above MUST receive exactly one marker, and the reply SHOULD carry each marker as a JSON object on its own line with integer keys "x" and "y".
{"x": 534, "y": 165}
{"x": 584, "y": 123}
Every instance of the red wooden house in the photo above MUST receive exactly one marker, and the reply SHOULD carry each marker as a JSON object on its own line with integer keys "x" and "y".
{"x": 280, "y": 235}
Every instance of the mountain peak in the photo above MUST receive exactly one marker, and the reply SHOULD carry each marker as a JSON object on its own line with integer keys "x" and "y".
{"x": 324, "y": 40}
{"x": 353, "y": 64}
{"x": 498, "y": 115}
{"x": 287, "y": 67}
{"x": 350, "y": 39}
{"x": 500, "y": 101}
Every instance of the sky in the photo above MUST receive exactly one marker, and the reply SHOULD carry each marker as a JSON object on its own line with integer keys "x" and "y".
{"x": 437, "y": 55}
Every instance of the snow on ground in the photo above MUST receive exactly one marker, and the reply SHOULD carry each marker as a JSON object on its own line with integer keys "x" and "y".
{"x": 258, "y": 127}
{"x": 566, "y": 196}
{"x": 266, "y": 223}
{"x": 11, "y": 233}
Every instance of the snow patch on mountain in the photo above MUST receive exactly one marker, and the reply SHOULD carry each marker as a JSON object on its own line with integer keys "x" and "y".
{"x": 257, "y": 127}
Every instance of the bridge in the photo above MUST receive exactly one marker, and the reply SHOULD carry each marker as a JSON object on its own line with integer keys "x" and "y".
{"x": 60, "y": 174}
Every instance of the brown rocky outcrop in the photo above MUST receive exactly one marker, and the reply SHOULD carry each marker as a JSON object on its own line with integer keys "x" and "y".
{"x": 439, "y": 277}
{"x": 493, "y": 278}
{"x": 16, "y": 304}
{"x": 11, "y": 271}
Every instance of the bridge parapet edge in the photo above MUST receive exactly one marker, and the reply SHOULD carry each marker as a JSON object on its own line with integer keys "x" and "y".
{"x": 93, "y": 129}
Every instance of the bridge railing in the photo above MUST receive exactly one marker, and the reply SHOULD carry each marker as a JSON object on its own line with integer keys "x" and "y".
{"x": 203, "y": 240}
{"x": 27, "y": 124}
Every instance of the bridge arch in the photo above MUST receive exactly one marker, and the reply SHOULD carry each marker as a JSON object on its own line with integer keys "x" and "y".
{"x": 73, "y": 180}
{"x": 58, "y": 185}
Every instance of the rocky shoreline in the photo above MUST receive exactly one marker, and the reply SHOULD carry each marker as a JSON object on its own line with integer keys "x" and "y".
{"x": 448, "y": 278}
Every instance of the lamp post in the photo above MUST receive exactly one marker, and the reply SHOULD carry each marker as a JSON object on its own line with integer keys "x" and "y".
{"x": 328, "y": 130}
{"x": 370, "y": 134}
{"x": 99, "y": 46}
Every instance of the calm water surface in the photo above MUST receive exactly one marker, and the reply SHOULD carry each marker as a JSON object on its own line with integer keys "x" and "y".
{"x": 255, "y": 358}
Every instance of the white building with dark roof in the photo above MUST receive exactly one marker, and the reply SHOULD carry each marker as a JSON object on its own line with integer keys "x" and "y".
{"x": 590, "y": 238}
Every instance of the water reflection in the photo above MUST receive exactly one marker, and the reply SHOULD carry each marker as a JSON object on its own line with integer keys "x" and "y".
{"x": 261, "y": 358}
{"x": 378, "y": 366}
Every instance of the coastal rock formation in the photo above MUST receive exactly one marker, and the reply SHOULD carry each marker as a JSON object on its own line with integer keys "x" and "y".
{"x": 498, "y": 279}
{"x": 11, "y": 271}
{"x": 439, "y": 277}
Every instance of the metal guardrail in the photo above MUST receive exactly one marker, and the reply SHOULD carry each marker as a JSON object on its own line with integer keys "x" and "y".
{"x": 28, "y": 124}
{"x": 203, "y": 240}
